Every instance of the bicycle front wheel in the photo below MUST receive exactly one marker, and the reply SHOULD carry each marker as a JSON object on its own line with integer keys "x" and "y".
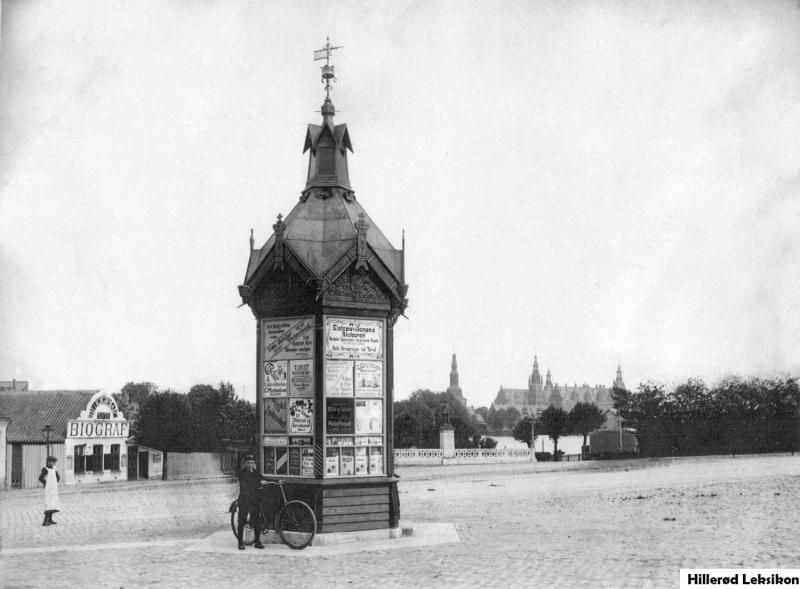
{"x": 297, "y": 524}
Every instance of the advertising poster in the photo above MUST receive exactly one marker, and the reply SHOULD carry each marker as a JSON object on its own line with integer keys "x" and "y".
{"x": 339, "y": 416}
{"x": 275, "y": 378}
{"x": 275, "y": 440}
{"x": 369, "y": 379}
{"x": 295, "y": 462}
{"x": 376, "y": 461}
{"x": 301, "y": 416}
{"x": 301, "y": 378}
{"x": 276, "y": 415}
{"x": 361, "y": 461}
{"x": 269, "y": 460}
{"x": 347, "y": 462}
{"x": 281, "y": 460}
{"x": 332, "y": 461}
{"x": 307, "y": 462}
{"x": 338, "y": 378}
{"x": 357, "y": 339}
{"x": 369, "y": 416}
{"x": 288, "y": 339}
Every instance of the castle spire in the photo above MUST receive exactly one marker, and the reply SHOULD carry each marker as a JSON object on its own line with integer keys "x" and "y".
{"x": 454, "y": 389}
{"x": 618, "y": 382}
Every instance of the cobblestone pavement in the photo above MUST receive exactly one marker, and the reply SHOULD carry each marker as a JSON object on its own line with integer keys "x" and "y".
{"x": 614, "y": 524}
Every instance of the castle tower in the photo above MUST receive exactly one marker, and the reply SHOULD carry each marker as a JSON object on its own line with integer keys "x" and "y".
{"x": 326, "y": 289}
{"x": 618, "y": 382}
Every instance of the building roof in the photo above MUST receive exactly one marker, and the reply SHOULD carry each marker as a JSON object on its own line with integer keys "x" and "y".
{"x": 29, "y": 412}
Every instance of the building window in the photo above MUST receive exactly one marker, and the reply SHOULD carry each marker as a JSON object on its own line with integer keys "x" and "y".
{"x": 80, "y": 459}
{"x": 111, "y": 460}
{"x": 96, "y": 458}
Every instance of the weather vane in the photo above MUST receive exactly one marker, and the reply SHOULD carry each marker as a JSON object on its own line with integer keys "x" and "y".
{"x": 327, "y": 69}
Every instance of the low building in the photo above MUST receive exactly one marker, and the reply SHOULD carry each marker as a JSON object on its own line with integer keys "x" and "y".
{"x": 84, "y": 430}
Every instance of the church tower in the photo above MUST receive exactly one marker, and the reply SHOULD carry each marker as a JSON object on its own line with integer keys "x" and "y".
{"x": 454, "y": 389}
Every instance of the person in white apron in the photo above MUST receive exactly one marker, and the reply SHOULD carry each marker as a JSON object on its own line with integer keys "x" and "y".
{"x": 49, "y": 477}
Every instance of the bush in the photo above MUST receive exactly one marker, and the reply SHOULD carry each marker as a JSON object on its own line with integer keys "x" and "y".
{"x": 543, "y": 456}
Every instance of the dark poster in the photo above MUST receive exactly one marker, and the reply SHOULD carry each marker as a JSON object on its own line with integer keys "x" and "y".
{"x": 339, "y": 417}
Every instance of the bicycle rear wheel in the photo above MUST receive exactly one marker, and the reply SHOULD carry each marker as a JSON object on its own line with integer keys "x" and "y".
{"x": 297, "y": 524}
{"x": 249, "y": 532}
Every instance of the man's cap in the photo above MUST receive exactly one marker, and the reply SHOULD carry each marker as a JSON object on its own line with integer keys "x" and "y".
{"x": 249, "y": 457}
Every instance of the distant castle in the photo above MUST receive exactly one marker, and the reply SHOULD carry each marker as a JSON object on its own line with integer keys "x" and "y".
{"x": 539, "y": 396}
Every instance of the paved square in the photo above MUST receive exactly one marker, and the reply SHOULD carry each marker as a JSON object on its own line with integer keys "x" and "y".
{"x": 613, "y": 524}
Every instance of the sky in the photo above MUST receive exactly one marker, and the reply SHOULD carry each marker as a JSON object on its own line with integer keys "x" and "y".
{"x": 594, "y": 183}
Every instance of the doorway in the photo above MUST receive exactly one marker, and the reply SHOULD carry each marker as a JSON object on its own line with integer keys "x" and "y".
{"x": 144, "y": 461}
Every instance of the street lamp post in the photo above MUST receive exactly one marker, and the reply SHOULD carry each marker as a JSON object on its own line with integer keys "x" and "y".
{"x": 46, "y": 431}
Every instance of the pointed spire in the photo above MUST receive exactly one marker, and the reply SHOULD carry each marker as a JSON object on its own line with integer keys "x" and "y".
{"x": 252, "y": 239}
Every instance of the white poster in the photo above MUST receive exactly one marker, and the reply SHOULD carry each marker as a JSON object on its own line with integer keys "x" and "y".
{"x": 339, "y": 378}
{"x": 288, "y": 339}
{"x": 301, "y": 378}
{"x": 369, "y": 379}
{"x": 358, "y": 339}
{"x": 369, "y": 416}
{"x": 275, "y": 382}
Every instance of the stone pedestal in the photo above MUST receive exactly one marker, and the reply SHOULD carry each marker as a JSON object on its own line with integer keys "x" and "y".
{"x": 447, "y": 441}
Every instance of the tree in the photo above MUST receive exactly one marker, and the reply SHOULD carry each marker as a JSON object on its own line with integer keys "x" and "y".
{"x": 165, "y": 423}
{"x": 132, "y": 395}
{"x": 425, "y": 407}
{"x": 407, "y": 431}
{"x": 584, "y": 418}
{"x": 522, "y": 431}
{"x": 554, "y": 422}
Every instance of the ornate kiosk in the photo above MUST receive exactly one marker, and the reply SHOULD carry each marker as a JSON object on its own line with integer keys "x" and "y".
{"x": 326, "y": 289}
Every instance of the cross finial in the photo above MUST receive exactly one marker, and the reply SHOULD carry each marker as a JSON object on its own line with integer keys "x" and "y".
{"x": 327, "y": 69}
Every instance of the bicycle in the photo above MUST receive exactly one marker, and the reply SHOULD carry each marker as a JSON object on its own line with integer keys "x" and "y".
{"x": 295, "y": 521}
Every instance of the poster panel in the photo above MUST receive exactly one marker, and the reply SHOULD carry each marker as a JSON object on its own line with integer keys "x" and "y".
{"x": 301, "y": 378}
{"x": 339, "y": 416}
{"x": 359, "y": 339}
{"x": 307, "y": 463}
{"x": 361, "y": 461}
{"x": 276, "y": 415}
{"x": 295, "y": 462}
{"x": 332, "y": 461}
{"x": 275, "y": 381}
{"x": 301, "y": 416}
{"x": 269, "y": 460}
{"x": 339, "y": 378}
{"x": 376, "y": 461}
{"x": 289, "y": 338}
{"x": 281, "y": 460}
{"x": 347, "y": 462}
{"x": 369, "y": 379}
{"x": 369, "y": 416}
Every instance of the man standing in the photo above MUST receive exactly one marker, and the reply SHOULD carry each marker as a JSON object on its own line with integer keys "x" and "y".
{"x": 249, "y": 483}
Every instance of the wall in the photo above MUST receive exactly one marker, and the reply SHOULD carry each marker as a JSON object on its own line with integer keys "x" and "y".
{"x": 34, "y": 457}
{"x": 424, "y": 457}
{"x": 195, "y": 464}
{"x": 68, "y": 468}
{"x": 5, "y": 454}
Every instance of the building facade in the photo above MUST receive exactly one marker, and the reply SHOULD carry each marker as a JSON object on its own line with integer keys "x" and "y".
{"x": 84, "y": 430}
{"x": 539, "y": 395}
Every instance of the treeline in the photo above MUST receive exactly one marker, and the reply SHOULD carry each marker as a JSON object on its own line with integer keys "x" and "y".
{"x": 737, "y": 415}
{"x": 417, "y": 420}
{"x": 205, "y": 419}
